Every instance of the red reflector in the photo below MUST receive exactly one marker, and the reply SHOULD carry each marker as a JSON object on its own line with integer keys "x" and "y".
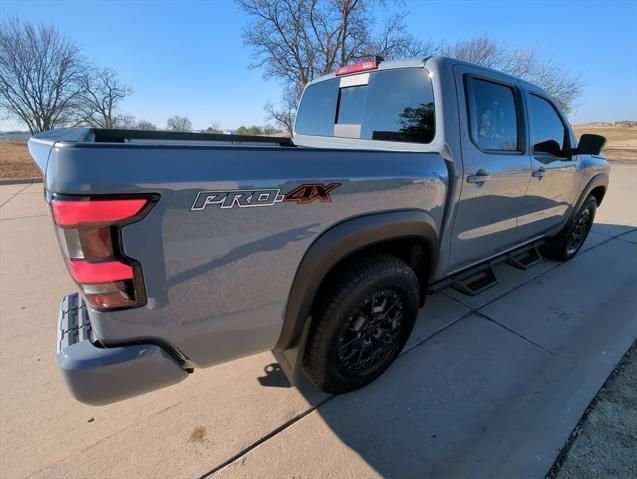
{"x": 118, "y": 299}
{"x": 73, "y": 213}
{"x": 357, "y": 67}
{"x": 85, "y": 272}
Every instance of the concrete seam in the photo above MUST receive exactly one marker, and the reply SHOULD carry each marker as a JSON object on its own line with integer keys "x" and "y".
{"x": 422, "y": 341}
{"x": 521, "y": 336}
{"x": 16, "y": 194}
{"x": 619, "y": 236}
{"x": 626, "y": 241}
{"x": 295, "y": 419}
{"x": 265, "y": 438}
{"x": 22, "y": 217}
{"x": 471, "y": 311}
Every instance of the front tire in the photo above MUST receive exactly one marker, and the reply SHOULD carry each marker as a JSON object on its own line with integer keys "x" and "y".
{"x": 361, "y": 323}
{"x": 571, "y": 239}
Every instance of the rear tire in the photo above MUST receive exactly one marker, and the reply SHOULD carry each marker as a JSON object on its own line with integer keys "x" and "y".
{"x": 361, "y": 323}
{"x": 570, "y": 240}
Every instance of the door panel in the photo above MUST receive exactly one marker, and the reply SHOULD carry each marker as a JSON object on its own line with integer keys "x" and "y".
{"x": 552, "y": 184}
{"x": 496, "y": 169}
{"x": 549, "y": 195}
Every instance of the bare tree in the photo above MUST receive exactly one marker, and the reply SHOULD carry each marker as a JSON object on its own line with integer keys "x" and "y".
{"x": 179, "y": 123}
{"x": 295, "y": 41}
{"x": 98, "y": 103}
{"x": 479, "y": 50}
{"x": 129, "y": 122}
{"x": 213, "y": 128}
{"x": 284, "y": 114}
{"x": 40, "y": 71}
{"x": 564, "y": 86}
{"x": 269, "y": 130}
{"x": 394, "y": 41}
{"x": 145, "y": 125}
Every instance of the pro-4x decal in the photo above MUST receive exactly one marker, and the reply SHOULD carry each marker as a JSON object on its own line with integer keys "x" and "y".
{"x": 240, "y": 198}
{"x": 310, "y": 192}
{"x": 303, "y": 194}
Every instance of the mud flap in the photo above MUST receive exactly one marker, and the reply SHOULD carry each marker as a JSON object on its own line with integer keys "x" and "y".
{"x": 291, "y": 360}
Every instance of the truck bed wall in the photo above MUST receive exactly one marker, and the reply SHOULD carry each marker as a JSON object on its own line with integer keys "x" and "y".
{"x": 218, "y": 280}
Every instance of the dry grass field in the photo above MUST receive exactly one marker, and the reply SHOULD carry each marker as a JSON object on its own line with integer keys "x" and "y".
{"x": 622, "y": 140}
{"x": 15, "y": 161}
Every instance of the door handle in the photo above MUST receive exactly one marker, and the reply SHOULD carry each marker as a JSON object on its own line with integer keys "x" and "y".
{"x": 539, "y": 173}
{"x": 480, "y": 177}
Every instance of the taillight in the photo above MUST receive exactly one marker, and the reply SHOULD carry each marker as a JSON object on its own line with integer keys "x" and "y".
{"x": 89, "y": 231}
{"x": 77, "y": 212}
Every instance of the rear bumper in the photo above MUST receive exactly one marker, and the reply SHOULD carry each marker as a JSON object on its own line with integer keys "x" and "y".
{"x": 97, "y": 375}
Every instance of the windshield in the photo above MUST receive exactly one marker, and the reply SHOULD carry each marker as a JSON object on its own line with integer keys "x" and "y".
{"x": 391, "y": 105}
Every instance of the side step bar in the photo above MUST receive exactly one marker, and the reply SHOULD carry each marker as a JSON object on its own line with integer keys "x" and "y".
{"x": 525, "y": 258}
{"x": 475, "y": 282}
{"x": 481, "y": 277}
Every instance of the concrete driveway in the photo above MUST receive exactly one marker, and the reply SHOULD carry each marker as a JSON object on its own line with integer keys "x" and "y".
{"x": 488, "y": 386}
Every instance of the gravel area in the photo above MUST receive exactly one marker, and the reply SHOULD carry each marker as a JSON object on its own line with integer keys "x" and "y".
{"x": 604, "y": 443}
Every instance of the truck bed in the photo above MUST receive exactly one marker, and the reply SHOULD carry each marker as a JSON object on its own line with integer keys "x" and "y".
{"x": 218, "y": 277}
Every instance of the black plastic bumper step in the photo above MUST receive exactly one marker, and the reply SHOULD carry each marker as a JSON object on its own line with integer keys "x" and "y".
{"x": 73, "y": 324}
{"x": 475, "y": 282}
{"x": 524, "y": 259}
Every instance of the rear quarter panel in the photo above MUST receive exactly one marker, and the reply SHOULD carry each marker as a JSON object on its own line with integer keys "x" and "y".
{"x": 218, "y": 280}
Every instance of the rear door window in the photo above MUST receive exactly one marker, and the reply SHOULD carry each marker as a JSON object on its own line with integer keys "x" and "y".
{"x": 395, "y": 105}
{"x": 492, "y": 115}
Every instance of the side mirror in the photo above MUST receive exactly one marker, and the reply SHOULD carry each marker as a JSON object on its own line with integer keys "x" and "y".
{"x": 548, "y": 146}
{"x": 590, "y": 145}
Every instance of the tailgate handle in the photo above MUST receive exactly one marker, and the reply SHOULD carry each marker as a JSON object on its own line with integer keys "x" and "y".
{"x": 480, "y": 177}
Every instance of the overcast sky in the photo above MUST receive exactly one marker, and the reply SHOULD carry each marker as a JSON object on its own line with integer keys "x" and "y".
{"x": 187, "y": 58}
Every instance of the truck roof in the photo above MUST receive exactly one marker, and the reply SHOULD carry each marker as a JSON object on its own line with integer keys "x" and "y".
{"x": 412, "y": 62}
{"x": 433, "y": 62}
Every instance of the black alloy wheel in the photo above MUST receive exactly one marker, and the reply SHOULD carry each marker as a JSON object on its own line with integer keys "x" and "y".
{"x": 371, "y": 331}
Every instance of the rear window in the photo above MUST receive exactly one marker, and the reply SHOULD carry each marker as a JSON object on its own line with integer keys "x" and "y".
{"x": 394, "y": 105}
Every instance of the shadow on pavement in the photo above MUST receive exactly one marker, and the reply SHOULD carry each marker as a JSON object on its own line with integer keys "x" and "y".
{"x": 274, "y": 377}
{"x": 492, "y": 391}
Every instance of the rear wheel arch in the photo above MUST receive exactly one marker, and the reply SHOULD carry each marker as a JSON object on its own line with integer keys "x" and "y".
{"x": 410, "y": 235}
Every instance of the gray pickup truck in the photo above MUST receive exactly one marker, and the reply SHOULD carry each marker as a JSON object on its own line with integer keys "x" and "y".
{"x": 401, "y": 178}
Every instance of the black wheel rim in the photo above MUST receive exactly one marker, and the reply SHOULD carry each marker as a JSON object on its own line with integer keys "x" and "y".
{"x": 580, "y": 229}
{"x": 371, "y": 331}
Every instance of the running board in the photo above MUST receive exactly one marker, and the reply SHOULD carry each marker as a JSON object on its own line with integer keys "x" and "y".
{"x": 475, "y": 282}
{"x": 480, "y": 278}
{"x": 525, "y": 258}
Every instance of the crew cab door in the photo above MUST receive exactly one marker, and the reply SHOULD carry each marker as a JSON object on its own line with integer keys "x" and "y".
{"x": 496, "y": 168}
{"x": 552, "y": 187}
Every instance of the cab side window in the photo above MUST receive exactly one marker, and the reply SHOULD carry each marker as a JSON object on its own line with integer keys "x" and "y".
{"x": 549, "y": 135}
{"x": 492, "y": 115}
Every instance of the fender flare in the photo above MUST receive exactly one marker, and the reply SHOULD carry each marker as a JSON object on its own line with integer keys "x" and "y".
{"x": 600, "y": 179}
{"x": 339, "y": 242}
